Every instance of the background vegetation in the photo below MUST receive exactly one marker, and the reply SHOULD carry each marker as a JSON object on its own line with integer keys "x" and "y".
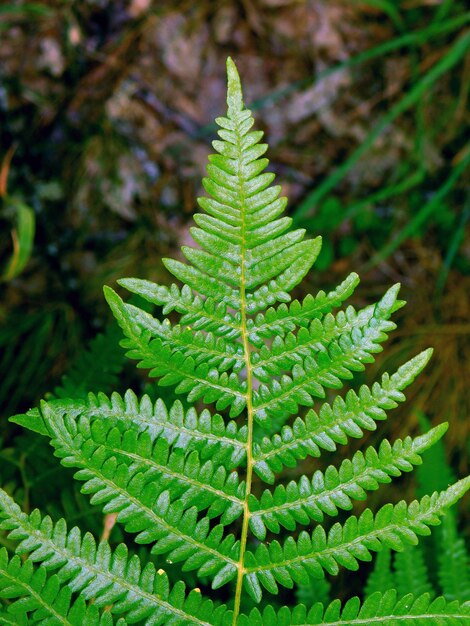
{"x": 105, "y": 127}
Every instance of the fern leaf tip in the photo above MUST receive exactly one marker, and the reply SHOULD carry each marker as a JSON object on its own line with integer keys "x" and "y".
{"x": 234, "y": 87}
{"x": 32, "y": 420}
{"x": 109, "y": 294}
{"x": 430, "y": 437}
{"x": 420, "y": 360}
{"x": 455, "y": 492}
{"x": 440, "y": 430}
{"x": 425, "y": 356}
{"x": 393, "y": 292}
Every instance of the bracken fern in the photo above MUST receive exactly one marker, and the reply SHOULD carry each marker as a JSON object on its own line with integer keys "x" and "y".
{"x": 187, "y": 482}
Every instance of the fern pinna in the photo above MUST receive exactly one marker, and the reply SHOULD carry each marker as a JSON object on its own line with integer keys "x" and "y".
{"x": 188, "y": 482}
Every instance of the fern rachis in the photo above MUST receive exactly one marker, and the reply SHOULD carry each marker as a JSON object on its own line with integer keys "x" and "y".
{"x": 182, "y": 480}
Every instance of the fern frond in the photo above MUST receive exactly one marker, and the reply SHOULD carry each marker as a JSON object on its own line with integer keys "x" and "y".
{"x": 13, "y": 620}
{"x": 142, "y": 506}
{"x": 204, "y": 347}
{"x": 39, "y": 599}
{"x": 294, "y": 268}
{"x": 335, "y": 423}
{"x": 453, "y": 560}
{"x": 410, "y": 572}
{"x": 182, "y": 474}
{"x": 451, "y": 557}
{"x": 174, "y": 368}
{"x": 392, "y": 526}
{"x": 285, "y": 352}
{"x": 316, "y": 590}
{"x": 249, "y": 237}
{"x": 212, "y": 315}
{"x": 279, "y": 399}
{"x": 380, "y": 608}
{"x": 183, "y": 482}
{"x": 435, "y": 473}
{"x": 286, "y": 318}
{"x": 306, "y": 500}
{"x": 111, "y": 577}
{"x": 241, "y": 228}
{"x": 209, "y": 314}
{"x": 212, "y": 437}
{"x": 96, "y": 368}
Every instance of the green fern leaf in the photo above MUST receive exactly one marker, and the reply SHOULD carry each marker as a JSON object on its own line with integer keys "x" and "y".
{"x": 379, "y": 608}
{"x": 109, "y": 577}
{"x": 410, "y": 572}
{"x": 282, "y": 319}
{"x": 182, "y": 475}
{"x": 143, "y": 506}
{"x": 95, "y": 369}
{"x": 293, "y": 348}
{"x": 453, "y": 561}
{"x": 335, "y": 489}
{"x": 334, "y": 423}
{"x": 280, "y": 399}
{"x": 183, "y": 481}
{"x": 39, "y": 599}
{"x": 316, "y": 590}
{"x": 209, "y": 314}
{"x": 174, "y": 368}
{"x": 204, "y": 347}
{"x": 210, "y": 435}
{"x": 449, "y": 552}
{"x": 392, "y": 527}
{"x": 382, "y": 577}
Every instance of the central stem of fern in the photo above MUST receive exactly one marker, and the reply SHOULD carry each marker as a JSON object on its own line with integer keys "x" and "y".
{"x": 249, "y": 463}
{"x": 249, "y": 410}
{"x": 249, "y": 456}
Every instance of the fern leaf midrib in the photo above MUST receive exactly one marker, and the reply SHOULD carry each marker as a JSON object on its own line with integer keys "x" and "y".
{"x": 368, "y": 471}
{"x": 22, "y": 522}
{"x": 385, "y": 619}
{"x": 144, "y": 347}
{"x": 181, "y": 477}
{"x": 435, "y": 510}
{"x": 129, "y": 498}
{"x": 110, "y": 413}
{"x": 250, "y": 419}
{"x": 324, "y": 337}
{"x": 32, "y": 593}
